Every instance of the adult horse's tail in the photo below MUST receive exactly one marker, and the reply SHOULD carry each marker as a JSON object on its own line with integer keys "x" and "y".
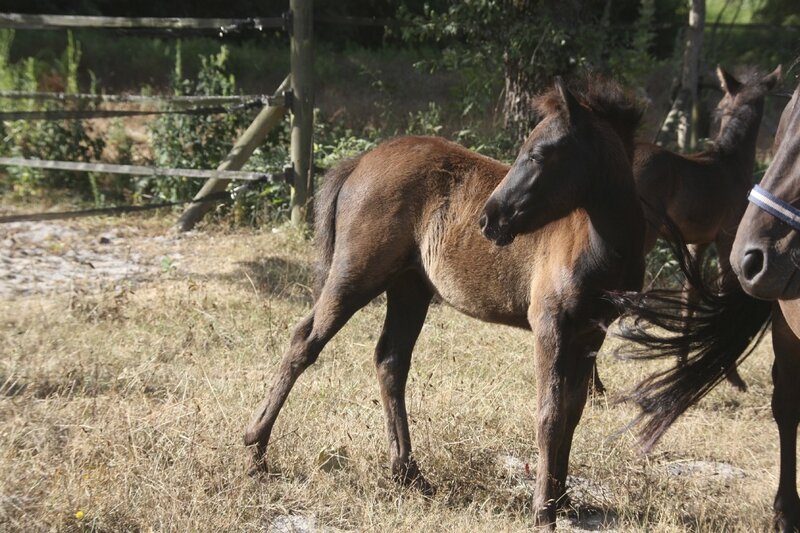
{"x": 325, "y": 217}
{"x": 719, "y": 335}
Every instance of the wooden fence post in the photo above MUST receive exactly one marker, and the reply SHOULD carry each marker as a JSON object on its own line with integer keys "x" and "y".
{"x": 302, "y": 75}
{"x": 255, "y": 134}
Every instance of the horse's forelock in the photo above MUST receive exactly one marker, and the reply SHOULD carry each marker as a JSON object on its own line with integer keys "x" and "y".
{"x": 604, "y": 98}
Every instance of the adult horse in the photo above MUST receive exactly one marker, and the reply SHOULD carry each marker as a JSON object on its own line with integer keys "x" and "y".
{"x": 765, "y": 259}
{"x": 705, "y": 194}
{"x": 560, "y": 226}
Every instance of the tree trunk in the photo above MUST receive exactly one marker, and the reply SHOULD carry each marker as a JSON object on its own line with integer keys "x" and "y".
{"x": 683, "y": 108}
{"x": 518, "y": 113}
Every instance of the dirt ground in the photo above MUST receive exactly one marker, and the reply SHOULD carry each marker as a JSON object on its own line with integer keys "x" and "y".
{"x": 131, "y": 358}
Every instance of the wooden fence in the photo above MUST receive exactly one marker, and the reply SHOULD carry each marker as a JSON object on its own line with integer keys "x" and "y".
{"x": 295, "y": 95}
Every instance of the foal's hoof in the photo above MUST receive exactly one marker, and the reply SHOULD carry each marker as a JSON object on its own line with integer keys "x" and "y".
{"x": 564, "y": 502}
{"x": 408, "y": 475}
{"x": 258, "y": 469}
{"x": 545, "y": 519}
{"x": 736, "y": 380}
{"x": 786, "y": 524}
{"x": 258, "y": 462}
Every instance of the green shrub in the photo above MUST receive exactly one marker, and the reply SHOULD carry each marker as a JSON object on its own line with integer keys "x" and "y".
{"x": 66, "y": 140}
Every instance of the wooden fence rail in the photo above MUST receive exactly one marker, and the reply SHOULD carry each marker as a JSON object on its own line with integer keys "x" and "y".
{"x": 295, "y": 94}
{"x": 65, "y": 22}
{"x": 132, "y": 170}
{"x": 170, "y": 100}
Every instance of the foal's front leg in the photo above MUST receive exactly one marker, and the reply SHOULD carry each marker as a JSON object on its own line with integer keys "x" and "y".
{"x": 562, "y": 375}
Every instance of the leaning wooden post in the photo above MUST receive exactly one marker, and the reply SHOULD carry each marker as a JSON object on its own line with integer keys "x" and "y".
{"x": 302, "y": 68}
{"x": 254, "y": 135}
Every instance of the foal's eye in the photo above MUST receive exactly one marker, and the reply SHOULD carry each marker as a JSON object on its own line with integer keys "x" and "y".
{"x": 537, "y": 156}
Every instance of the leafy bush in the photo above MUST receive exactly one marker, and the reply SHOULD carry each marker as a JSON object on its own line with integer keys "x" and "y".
{"x": 69, "y": 140}
{"x": 191, "y": 141}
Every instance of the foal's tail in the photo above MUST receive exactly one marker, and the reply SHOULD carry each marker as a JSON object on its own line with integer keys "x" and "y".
{"x": 325, "y": 216}
{"x": 719, "y": 336}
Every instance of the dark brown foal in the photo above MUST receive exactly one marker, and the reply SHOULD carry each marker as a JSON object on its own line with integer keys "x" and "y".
{"x": 705, "y": 194}
{"x": 560, "y": 227}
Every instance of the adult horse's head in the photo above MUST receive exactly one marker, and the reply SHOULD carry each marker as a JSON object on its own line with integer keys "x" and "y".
{"x": 561, "y": 160}
{"x": 766, "y": 252}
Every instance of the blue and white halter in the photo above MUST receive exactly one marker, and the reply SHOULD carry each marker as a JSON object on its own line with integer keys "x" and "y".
{"x": 775, "y": 206}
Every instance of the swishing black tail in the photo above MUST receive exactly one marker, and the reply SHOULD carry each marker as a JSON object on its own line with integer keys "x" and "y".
{"x": 718, "y": 336}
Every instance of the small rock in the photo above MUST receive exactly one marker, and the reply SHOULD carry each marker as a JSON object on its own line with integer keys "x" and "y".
{"x": 292, "y": 524}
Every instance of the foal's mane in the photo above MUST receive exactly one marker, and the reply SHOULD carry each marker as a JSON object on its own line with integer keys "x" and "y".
{"x": 605, "y": 98}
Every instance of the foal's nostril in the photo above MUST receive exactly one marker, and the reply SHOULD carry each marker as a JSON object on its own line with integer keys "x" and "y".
{"x": 752, "y": 264}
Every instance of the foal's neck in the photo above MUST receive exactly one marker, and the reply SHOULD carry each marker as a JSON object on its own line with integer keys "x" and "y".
{"x": 736, "y": 143}
{"x": 615, "y": 212}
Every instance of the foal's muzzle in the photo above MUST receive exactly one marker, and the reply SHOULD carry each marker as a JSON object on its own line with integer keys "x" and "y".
{"x": 495, "y": 224}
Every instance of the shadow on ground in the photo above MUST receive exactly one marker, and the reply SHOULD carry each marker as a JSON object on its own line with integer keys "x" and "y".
{"x": 276, "y": 277}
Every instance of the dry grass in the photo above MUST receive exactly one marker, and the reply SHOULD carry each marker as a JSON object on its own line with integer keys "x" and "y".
{"x": 127, "y": 406}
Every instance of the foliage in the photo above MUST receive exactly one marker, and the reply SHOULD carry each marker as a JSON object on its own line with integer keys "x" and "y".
{"x": 633, "y": 63}
{"x": 507, "y": 50}
{"x": 46, "y": 139}
{"x": 192, "y": 141}
{"x": 779, "y": 12}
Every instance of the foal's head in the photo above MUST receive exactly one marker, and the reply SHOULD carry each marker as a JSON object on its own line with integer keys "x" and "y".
{"x": 564, "y": 160}
{"x": 742, "y": 104}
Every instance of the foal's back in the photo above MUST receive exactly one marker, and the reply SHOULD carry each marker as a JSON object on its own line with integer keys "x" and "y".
{"x": 702, "y": 193}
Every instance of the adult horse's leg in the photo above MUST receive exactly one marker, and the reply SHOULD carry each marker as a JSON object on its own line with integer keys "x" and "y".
{"x": 786, "y": 410}
{"x": 562, "y": 376}
{"x": 724, "y": 243}
{"x": 407, "y": 301}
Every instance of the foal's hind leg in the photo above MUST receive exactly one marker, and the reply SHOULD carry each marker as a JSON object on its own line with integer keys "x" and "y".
{"x": 336, "y": 304}
{"x": 786, "y": 410}
{"x": 407, "y": 301}
{"x": 596, "y": 384}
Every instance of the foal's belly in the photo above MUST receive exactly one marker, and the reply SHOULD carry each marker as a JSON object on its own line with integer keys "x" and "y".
{"x": 479, "y": 278}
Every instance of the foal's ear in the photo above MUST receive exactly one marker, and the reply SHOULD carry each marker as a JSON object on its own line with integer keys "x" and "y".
{"x": 729, "y": 84}
{"x": 773, "y": 78}
{"x": 575, "y": 112}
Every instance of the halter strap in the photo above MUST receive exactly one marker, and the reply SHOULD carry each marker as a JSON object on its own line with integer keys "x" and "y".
{"x": 775, "y": 206}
